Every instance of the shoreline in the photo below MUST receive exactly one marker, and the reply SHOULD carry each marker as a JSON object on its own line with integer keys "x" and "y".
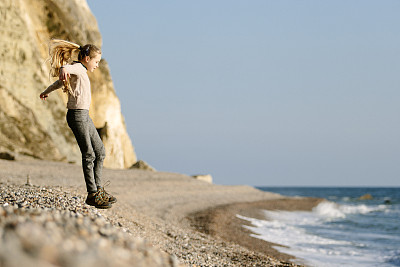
{"x": 158, "y": 207}
{"x": 222, "y": 222}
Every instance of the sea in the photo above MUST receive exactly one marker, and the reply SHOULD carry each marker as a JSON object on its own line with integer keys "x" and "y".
{"x": 344, "y": 230}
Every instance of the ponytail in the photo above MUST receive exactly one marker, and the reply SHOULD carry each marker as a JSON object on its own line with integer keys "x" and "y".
{"x": 62, "y": 52}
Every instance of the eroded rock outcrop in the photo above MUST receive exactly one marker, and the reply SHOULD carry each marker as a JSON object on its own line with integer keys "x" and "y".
{"x": 142, "y": 165}
{"x": 35, "y": 128}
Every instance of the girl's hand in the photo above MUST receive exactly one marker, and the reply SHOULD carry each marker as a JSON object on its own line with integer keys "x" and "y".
{"x": 63, "y": 75}
{"x": 43, "y": 96}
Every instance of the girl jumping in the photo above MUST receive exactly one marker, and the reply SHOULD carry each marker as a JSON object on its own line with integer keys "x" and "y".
{"x": 75, "y": 82}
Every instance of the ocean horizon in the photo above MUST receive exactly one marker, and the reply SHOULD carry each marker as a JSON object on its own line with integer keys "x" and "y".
{"x": 355, "y": 226}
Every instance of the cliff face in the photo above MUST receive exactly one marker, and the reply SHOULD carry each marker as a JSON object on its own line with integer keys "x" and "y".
{"x": 38, "y": 128}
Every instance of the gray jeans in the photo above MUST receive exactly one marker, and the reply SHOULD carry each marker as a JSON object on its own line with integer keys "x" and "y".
{"x": 91, "y": 146}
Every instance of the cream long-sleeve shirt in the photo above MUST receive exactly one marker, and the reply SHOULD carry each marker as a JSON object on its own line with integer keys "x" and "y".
{"x": 80, "y": 85}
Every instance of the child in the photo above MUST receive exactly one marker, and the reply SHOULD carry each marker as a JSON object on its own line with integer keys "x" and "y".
{"x": 75, "y": 82}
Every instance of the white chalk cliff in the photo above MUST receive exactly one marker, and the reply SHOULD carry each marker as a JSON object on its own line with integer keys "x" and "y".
{"x": 29, "y": 126}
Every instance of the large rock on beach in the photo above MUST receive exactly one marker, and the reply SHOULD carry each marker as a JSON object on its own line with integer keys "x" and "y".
{"x": 203, "y": 177}
{"x": 29, "y": 126}
{"x": 142, "y": 165}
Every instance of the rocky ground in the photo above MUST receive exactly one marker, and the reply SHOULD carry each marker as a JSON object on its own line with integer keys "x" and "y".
{"x": 48, "y": 225}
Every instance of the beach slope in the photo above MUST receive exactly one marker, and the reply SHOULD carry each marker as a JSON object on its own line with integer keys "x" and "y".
{"x": 192, "y": 220}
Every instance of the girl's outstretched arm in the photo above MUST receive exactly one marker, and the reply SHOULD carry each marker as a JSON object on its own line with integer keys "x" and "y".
{"x": 56, "y": 85}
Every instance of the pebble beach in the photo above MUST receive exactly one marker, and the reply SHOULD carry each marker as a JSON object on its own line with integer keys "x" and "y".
{"x": 160, "y": 219}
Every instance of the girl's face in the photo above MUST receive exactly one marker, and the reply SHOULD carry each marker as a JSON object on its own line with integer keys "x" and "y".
{"x": 91, "y": 63}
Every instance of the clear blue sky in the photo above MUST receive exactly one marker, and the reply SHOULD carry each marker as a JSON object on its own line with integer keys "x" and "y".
{"x": 260, "y": 92}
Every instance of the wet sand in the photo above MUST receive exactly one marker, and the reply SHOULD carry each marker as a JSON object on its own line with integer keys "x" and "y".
{"x": 222, "y": 222}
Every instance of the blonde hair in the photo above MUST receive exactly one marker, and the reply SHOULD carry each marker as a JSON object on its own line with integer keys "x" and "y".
{"x": 63, "y": 52}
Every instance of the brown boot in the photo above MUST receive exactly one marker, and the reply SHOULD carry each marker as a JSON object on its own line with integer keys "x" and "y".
{"x": 99, "y": 200}
{"x": 111, "y": 198}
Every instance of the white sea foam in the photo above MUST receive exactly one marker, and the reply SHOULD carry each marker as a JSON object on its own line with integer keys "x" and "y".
{"x": 329, "y": 210}
{"x": 291, "y": 229}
